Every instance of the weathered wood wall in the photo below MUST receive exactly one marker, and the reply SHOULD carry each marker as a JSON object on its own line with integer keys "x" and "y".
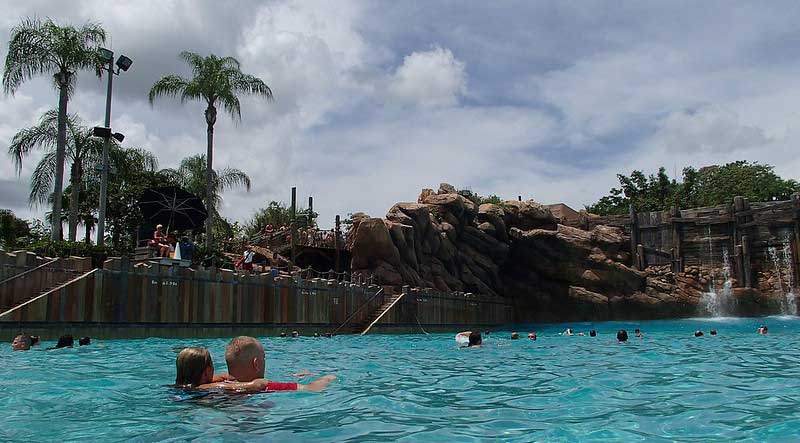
{"x": 121, "y": 293}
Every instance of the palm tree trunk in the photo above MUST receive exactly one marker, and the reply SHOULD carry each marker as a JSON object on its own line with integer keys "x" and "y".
{"x": 211, "y": 118}
{"x": 61, "y": 145}
{"x": 75, "y": 180}
{"x": 88, "y": 237}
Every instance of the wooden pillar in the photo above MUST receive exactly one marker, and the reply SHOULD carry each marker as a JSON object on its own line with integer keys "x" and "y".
{"x": 634, "y": 235}
{"x": 677, "y": 240}
{"x": 641, "y": 259}
{"x": 743, "y": 250}
{"x": 747, "y": 270}
{"x": 337, "y": 245}
{"x": 310, "y": 209}
{"x": 293, "y": 230}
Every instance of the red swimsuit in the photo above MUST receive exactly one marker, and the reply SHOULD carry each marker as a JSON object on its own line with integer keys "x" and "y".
{"x": 277, "y": 386}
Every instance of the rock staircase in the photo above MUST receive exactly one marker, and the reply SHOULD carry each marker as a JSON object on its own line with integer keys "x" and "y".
{"x": 364, "y": 327}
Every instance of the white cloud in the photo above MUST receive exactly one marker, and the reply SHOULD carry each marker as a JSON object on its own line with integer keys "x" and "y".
{"x": 710, "y": 128}
{"x": 429, "y": 78}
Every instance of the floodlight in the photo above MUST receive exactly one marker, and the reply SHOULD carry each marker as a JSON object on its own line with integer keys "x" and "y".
{"x": 101, "y": 131}
{"x": 124, "y": 62}
{"x": 118, "y": 136}
{"x": 106, "y": 55}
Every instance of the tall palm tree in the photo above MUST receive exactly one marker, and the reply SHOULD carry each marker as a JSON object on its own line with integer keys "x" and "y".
{"x": 215, "y": 80}
{"x": 43, "y": 47}
{"x": 82, "y": 149}
{"x": 191, "y": 175}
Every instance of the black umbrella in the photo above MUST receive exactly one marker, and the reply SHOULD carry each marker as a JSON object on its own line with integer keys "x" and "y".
{"x": 173, "y": 207}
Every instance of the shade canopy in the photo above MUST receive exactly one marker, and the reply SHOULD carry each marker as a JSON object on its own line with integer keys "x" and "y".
{"x": 173, "y": 207}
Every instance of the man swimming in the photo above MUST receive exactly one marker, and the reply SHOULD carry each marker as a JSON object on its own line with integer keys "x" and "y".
{"x": 22, "y": 342}
{"x": 474, "y": 339}
{"x": 247, "y": 362}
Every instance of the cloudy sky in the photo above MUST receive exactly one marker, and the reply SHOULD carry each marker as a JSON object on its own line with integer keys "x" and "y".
{"x": 376, "y": 100}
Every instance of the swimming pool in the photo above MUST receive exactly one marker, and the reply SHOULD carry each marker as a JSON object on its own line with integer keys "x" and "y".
{"x": 668, "y": 386}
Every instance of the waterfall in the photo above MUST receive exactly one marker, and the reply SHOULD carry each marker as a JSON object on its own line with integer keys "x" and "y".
{"x": 781, "y": 262}
{"x": 718, "y": 302}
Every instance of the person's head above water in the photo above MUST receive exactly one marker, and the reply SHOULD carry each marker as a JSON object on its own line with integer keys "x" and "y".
{"x": 65, "y": 341}
{"x": 592, "y": 333}
{"x": 245, "y": 358}
{"x": 762, "y": 330}
{"x": 83, "y": 341}
{"x": 295, "y": 334}
{"x": 698, "y": 333}
{"x": 475, "y": 338}
{"x": 514, "y": 335}
{"x": 622, "y": 335}
{"x": 532, "y": 335}
{"x": 194, "y": 367}
{"x": 22, "y": 342}
{"x": 713, "y": 332}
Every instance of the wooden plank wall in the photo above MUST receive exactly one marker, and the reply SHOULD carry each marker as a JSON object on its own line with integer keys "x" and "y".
{"x": 122, "y": 293}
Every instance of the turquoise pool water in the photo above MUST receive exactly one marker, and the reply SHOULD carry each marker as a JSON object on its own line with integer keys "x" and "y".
{"x": 668, "y": 386}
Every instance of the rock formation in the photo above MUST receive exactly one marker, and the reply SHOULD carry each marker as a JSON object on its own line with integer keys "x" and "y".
{"x": 520, "y": 251}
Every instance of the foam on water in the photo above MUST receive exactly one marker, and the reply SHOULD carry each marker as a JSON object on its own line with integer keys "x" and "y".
{"x": 668, "y": 386}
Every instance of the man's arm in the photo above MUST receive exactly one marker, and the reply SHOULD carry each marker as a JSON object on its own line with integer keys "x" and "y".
{"x": 317, "y": 385}
{"x": 223, "y": 376}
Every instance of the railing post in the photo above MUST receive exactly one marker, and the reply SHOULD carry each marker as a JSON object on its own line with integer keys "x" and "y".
{"x": 677, "y": 240}
{"x": 336, "y": 244}
{"x": 293, "y": 226}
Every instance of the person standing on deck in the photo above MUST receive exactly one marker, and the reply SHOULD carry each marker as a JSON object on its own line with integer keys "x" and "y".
{"x": 246, "y": 262}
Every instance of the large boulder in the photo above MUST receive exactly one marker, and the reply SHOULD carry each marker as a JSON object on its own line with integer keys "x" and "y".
{"x": 529, "y": 215}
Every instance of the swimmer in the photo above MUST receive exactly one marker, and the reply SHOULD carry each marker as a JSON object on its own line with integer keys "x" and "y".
{"x": 22, "y": 342}
{"x": 713, "y": 332}
{"x": 283, "y": 335}
{"x": 698, "y": 333}
{"x": 295, "y": 334}
{"x": 637, "y": 333}
{"x": 762, "y": 330}
{"x": 84, "y": 341}
{"x": 567, "y": 332}
{"x": 474, "y": 339}
{"x": 316, "y": 335}
{"x": 622, "y": 335}
{"x": 532, "y": 336}
{"x": 65, "y": 341}
{"x": 195, "y": 369}
{"x": 514, "y": 335}
{"x": 34, "y": 340}
{"x": 592, "y": 333}
{"x": 247, "y": 362}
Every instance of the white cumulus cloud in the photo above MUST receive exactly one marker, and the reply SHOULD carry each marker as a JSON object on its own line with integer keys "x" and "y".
{"x": 429, "y": 78}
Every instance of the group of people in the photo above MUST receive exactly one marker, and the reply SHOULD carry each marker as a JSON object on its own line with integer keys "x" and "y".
{"x": 246, "y": 363}
{"x": 475, "y": 339}
{"x": 24, "y": 342}
{"x": 166, "y": 245}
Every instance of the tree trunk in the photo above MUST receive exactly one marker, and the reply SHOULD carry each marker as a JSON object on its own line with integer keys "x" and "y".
{"x": 88, "y": 238}
{"x": 61, "y": 146}
{"x": 211, "y": 118}
{"x": 75, "y": 181}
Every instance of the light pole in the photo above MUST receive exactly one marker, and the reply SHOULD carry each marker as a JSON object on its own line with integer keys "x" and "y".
{"x": 123, "y": 63}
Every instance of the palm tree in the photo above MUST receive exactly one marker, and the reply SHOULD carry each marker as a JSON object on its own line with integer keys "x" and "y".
{"x": 191, "y": 175}
{"x": 43, "y": 47}
{"x": 214, "y": 80}
{"x": 82, "y": 149}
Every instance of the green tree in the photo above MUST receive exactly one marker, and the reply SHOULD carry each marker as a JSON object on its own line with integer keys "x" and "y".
{"x": 278, "y": 214}
{"x": 45, "y": 48}
{"x": 12, "y": 229}
{"x": 191, "y": 176}
{"x": 83, "y": 150}
{"x": 215, "y": 80}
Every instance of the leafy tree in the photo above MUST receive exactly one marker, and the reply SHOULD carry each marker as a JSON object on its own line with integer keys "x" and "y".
{"x": 45, "y": 48}
{"x": 708, "y": 186}
{"x": 13, "y": 230}
{"x": 278, "y": 214}
{"x": 83, "y": 150}
{"x": 215, "y": 80}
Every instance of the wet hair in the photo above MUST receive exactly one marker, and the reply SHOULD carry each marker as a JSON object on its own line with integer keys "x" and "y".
{"x": 241, "y": 351}
{"x": 592, "y": 333}
{"x": 295, "y": 334}
{"x": 637, "y": 331}
{"x": 316, "y": 334}
{"x": 514, "y": 335}
{"x": 190, "y": 366}
{"x": 622, "y": 335}
{"x": 713, "y": 332}
{"x": 475, "y": 338}
{"x": 763, "y": 329}
{"x": 65, "y": 341}
{"x": 283, "y": 334}
{"x": 83, "y": 341}
{"x": 698, "y": 333}
{"x": 25, "y": 339}
{"x": 34, "y": 340}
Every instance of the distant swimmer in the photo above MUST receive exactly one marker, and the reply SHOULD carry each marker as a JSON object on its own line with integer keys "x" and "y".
{"x": 637, "y": 333}
{"x": 514, "y": 335}
{"x": 532, "y": 336}
{"x": 84, "y": 341}
{"x": 295, "y": 334}
{"x": 469, "y": 339}
{"x": 698, "y": 333}
{"x": 592, "y": 333}
{"x": 762, "y": 330}
{"x": 713, "y": 332}
{"x": 65, "y": 341}
{"x": 568, "y": 331}
{"x": 622, "y": 335}
{"x": 22, "y": 342}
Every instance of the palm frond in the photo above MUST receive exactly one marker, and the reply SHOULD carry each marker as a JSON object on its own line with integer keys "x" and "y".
{"x": 42, "y": 179}
{"x": 231, "y": 177}
{"x": 170, "y": 86}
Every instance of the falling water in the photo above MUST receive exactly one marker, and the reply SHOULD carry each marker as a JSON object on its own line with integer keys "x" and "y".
{"x": 715, "y": 302}
{"x": 784, "y": 262}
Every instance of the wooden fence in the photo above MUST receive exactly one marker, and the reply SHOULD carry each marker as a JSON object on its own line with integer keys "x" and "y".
{"x": 748, "y": 237}
{"x": 121, "y": 293}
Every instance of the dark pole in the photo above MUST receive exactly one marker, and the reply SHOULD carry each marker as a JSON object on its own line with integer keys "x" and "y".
{"x": 310, "y": 209}
{"x": 101, "y": 217}
{"x": 336, "y": 243}
{"x": 293, "y": 224}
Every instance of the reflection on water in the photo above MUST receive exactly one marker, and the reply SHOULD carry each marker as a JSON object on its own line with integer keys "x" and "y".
{"x": 667, "y": 386}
